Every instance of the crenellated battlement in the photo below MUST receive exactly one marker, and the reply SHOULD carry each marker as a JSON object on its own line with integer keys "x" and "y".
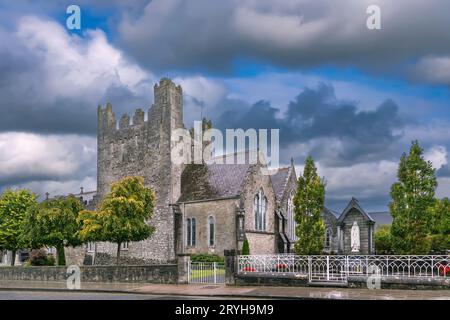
{"x": 107, "y": 119}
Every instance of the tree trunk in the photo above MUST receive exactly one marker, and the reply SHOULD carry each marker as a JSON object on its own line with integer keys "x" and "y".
{"x": 60, "y": 255}
{"x": 13, "y": 257}
{"x": 118, "y": 253}
{"x": 95, "y": 254}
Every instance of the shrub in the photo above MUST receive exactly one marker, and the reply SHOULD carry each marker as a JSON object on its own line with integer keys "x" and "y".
{"x": 245, "y": 248}
{"x": 383, "y": 240}
{"x": 439, "y": 243}
{"x": 206, "y": 257}
{"x": 39, "y": 257}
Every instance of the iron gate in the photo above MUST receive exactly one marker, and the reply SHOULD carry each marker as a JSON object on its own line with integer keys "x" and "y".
{"x": 206, "y": 272}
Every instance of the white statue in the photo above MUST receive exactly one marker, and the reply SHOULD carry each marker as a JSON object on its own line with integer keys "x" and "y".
{"x": 355, "y": 241}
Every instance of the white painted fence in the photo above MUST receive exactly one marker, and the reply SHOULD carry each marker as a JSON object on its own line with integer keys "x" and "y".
{"x": 337, "y": 268}
{"x": 206, "y": 272}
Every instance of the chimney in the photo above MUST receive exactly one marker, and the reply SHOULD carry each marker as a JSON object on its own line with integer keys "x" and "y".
{"x": 47, "y": 195}
{"x": 81, "y": 190}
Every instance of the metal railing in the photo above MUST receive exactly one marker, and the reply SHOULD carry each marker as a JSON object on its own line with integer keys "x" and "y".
{"x": 339, "y": 267}
{"x": 206, "y": 272}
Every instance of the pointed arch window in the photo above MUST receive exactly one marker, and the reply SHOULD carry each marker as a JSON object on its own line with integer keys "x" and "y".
{"x": 328, "y": 236}
{"x": 260, "y": 208}
{"x": 291, "y": 217}
{"x": 191, "y": 232}
{"x": 211, "y": 231}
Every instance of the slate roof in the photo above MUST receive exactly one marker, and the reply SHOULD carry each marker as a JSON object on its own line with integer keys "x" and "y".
{"x": 203, "y": 182}
{"x": 279, "y": 181}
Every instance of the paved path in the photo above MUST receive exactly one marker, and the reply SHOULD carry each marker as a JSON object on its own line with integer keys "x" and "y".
{"x": 51, "y": 295}
{"x": 232, "y": 291}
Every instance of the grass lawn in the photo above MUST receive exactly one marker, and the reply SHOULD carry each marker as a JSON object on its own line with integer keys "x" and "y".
{"x": 196, "y": 274}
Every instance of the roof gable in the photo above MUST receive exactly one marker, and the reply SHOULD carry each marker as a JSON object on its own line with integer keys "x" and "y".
{"x": 354, "y": 204}
{"x": 279, "y": 181}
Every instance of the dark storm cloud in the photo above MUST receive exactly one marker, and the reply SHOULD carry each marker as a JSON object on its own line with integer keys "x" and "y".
{"x": 317, "y": 113}
{"x": 179, "y": 34}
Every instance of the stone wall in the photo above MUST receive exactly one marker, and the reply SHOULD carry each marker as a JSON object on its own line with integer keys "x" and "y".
{"x": 224, "y": 213}
{"x": 255, "y": 279}
{"x": 167, "y": 273}
{"x": 288, "y": 280}
{"x": 143, "y": 148}
{"x": 75, "y": 256}
{"x": 259, "y": 242}
{"x": 421, "y": 283}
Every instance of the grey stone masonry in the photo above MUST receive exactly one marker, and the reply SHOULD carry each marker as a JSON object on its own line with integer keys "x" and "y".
{"x": 143, "y": 148}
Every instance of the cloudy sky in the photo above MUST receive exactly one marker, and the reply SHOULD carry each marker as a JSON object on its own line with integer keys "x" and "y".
{"x": 351, "y": 97}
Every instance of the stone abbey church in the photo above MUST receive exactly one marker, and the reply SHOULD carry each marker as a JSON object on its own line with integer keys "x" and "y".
{"x": 203, "y": 208}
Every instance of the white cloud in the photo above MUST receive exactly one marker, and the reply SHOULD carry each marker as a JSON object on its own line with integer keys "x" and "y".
{"x": 437, "y": 155}
{"x": 74, "y": 66}
{"x": 443, "y": 189}
{"x": 434, "y": 69}
{"x": 26, "y": 157}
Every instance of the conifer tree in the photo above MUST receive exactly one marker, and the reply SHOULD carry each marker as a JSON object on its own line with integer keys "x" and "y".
{"x": 412, "y": 197}
{"x": 308, "y": 205}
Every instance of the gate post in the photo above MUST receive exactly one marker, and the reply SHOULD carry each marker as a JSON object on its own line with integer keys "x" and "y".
{"x": 328, "y": 268}
{"x": 230, "y": 267}
{"x": 184, "y": 261}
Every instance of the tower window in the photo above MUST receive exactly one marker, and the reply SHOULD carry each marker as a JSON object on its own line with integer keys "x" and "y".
{"x": 260, "y": 206}
{"x": 191, "y": 232}
{"x": 328, "y": 235}
{"x": 211, "y": 231}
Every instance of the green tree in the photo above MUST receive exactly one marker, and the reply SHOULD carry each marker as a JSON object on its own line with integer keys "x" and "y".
{"x": 383, "y": 241}
{"x": 440, "y": 226}
{"x": 308, "y": 206}
{"x": 53, "y": 223}
{"x": 245, "y": 248}
{"x": 14, "y": 206}
{"x": 122, "y": 214}
{"x": 412, "y": 196}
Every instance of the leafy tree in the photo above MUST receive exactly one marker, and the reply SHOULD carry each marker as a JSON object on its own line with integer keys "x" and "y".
{"x": 14, "y": 206}
{"x": 440, "y": 226}
{"x": 412, "y": 196}
{"x": 440, "y": 217}
{"x": 308, "y": 206}
{"x": 122, "y": 214}
{"x": 383, "y": 240}
{"x": 53, "y": 223}
{"x": 245, "y": 248}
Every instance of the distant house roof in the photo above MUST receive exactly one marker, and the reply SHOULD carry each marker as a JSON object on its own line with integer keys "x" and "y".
{"x": 330, "y": 212}
{"x": 381, "y": 217}
{"x": 211, "y": 181}
{"x": 279, "y": 180}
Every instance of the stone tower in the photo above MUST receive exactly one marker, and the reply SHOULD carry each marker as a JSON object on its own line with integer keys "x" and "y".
{"x": 143, "y": 148}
